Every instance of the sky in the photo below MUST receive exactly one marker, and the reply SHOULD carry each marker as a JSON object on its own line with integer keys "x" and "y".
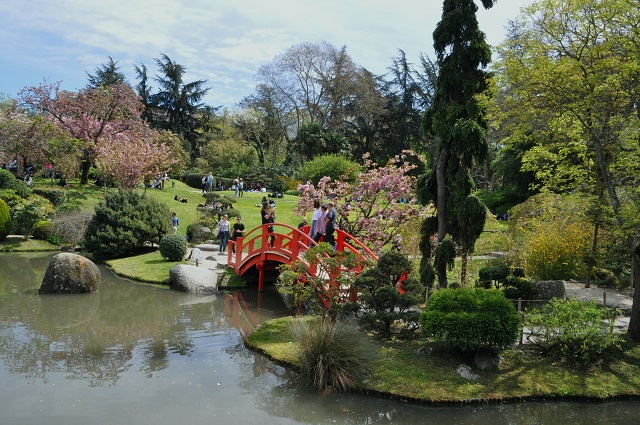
{"x": 222, "y": 41}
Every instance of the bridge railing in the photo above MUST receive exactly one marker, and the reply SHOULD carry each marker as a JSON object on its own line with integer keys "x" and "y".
{"x": 286, "y": 243}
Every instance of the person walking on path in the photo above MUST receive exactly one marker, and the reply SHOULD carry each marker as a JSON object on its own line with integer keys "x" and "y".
{"x": 175, "y": 222}
{"x": 237, "y": 232}
{"x": 225, "y": 228}
{"x": 331, "y": 224}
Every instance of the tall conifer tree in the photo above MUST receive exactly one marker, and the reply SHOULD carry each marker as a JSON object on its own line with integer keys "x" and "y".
{"x": 456, "y": 125}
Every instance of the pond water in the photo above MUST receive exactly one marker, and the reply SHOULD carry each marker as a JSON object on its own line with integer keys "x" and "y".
{"x": 141, "y": 354}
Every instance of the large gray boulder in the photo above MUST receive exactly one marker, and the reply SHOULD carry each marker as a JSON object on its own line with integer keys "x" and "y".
{"x": 548, "y": 289}
{"x": 192, "y": 279}
{"x": 70, "y": 273}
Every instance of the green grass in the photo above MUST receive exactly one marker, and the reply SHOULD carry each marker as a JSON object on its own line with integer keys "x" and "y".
{"x": 524, "y": 372}
{"x": 19, "y": 244}
{"x": 149, "y": 267}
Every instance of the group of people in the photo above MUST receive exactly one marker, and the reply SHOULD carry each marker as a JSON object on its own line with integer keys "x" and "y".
{"x": 226, "y": 232}
{"x": 207, "y": 183}
{"x": 324, "y": 222}
{"x": 238, "y": 186}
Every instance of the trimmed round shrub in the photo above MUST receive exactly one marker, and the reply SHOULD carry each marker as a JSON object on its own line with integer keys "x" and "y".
{"x": 470, "y": 320}
{"x": 292, "y": 192}
{"x": 42, "y": 230}
{"x": 173, "y": 247}
{"x": 124, "y": 224}
{"x": 5, "y": 219}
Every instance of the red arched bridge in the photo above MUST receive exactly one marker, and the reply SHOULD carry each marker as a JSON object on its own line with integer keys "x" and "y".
{"x": 260, "y": 248}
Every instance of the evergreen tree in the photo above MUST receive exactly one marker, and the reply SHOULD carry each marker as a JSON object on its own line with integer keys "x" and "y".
{"x": 107, "y": 74}
{"x": 455, "y": 124}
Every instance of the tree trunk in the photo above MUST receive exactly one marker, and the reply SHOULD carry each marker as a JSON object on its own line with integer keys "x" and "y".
{"x": 592, "y": 255}
{"x": 634, "y": 320}
{"x": 464, "y": 259}
{"x": 441, "y": 211}
{"x": 606, "y": 178}
{"x": 84, "y": 178}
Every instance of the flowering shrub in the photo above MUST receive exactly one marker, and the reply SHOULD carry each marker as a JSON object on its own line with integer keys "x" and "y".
{"x": 556, "y": 250}
{"x": 374, "y": 207}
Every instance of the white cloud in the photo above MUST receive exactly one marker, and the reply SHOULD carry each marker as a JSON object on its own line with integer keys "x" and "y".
{"x": 222, "y": 41}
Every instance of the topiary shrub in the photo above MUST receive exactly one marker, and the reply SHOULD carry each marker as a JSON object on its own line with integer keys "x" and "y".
{"x": 124, "y": 223}
{"x": 292, "y": 192}
{"x": 573, "y": 329}
{"x": 5, "y": 220}
{"x": 338, "y": 355}
{"x": 495, "y": 274}
{"x": 471, "y": 319}
{"x": 383, "y": 308}
{"x": 56, "y": 196}
{"x": 173, "y": 247}
{"x": 519, "y": 287}
{"x": 42, "y": 230}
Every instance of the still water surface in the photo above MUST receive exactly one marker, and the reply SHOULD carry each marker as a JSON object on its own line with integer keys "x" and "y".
{"x": 141, "y": 354}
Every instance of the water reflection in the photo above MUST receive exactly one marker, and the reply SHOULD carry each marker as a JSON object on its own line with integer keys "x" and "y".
{"x": 135, "y": 353}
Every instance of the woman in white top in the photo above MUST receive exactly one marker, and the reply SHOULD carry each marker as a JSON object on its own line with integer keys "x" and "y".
{"x": 314, "y": 218}
{"x": 225, "y": 228}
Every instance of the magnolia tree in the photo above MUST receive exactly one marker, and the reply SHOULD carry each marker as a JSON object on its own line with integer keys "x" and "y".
{"x": 92, "y": 115}
{"x": 374, "y": 207}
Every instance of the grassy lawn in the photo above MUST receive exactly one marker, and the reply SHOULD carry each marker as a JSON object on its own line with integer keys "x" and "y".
{"x": 15, "y": 243}
{"x": 149, "y": 267}
{"x": 524, "y": 371}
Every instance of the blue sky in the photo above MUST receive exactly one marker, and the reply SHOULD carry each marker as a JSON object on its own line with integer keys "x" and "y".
{"x": 221, "y": 41}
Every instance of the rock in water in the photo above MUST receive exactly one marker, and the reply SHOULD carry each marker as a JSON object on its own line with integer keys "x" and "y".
{"x": 69, "y": 273}
{"x": 192, "y": 279}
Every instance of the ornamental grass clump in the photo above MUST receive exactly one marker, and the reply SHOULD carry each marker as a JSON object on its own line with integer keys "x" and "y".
{"x": 337, "y": 355}
{"x": 573, "y": 329}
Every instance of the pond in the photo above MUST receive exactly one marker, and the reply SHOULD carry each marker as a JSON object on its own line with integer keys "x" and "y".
{"x": 142, "y": 354}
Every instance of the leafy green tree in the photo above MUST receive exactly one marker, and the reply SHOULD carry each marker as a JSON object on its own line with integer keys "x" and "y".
{"x": 124, "y": 223}
{"x": 577, "y": 63}
{"x": 334, "y": 166}
{"x": 455, "y": 122}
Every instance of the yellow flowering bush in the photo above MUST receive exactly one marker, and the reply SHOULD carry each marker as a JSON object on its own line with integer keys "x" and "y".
{"x": 555, "y": 250}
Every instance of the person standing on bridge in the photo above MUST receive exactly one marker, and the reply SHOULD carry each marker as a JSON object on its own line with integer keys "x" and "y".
{"x": 331, "y": 224}
{"x": 237, "y": 232}
{"x": 320, "y": 225}
{"x": 268, "y": 214}
{"x": 317, "y": 212}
